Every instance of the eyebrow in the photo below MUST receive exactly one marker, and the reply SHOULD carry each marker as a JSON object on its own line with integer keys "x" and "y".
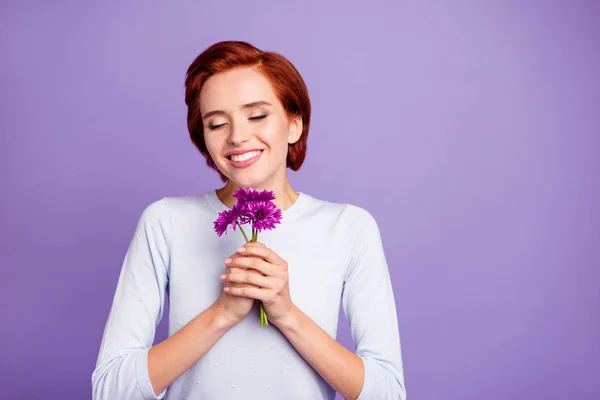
{"x": 245, "y": 106}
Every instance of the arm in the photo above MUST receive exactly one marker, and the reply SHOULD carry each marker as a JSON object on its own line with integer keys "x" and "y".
{"x": 267, "y": 275}
{"x": 369, "y": 304}
{"x": 128, "y": 367}
{"x": 340, "y": 367}
{"x": 375, "y": 372}
{"x": 175, "y": 355}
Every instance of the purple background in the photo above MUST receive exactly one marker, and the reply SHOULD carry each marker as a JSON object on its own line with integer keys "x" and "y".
{"x": 471, "y": 131}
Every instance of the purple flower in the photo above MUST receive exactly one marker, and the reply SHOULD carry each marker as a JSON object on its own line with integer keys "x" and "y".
{"x": 262, "y": 214}
{"x": 242, "y": 212}
{"x": 229, "y": 217}
{"x": 253, "y": 207}
{"x": 249, "y": 195}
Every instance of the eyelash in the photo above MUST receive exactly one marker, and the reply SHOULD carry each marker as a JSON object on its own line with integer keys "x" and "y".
{"x": 257, "y": 118}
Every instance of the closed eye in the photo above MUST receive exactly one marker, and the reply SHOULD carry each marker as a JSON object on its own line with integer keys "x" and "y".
{"x": 258, "y": 117}
{"x": 213, "y": 127}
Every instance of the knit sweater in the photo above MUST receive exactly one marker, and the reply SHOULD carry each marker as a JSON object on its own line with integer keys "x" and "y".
{"x": 335, "y": 257}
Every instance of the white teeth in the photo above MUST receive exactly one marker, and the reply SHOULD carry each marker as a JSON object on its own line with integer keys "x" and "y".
{"x": 245, "y": 156}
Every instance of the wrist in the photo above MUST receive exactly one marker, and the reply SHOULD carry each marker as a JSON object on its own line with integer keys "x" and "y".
{"x": 290, "y": 321}
{"x": 221, "y": 319}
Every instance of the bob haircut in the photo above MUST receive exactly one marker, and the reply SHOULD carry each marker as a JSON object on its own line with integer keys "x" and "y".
{"x": 287, "y": 83}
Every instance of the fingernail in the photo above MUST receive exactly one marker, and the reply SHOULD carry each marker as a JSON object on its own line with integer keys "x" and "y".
{"x": 241, "y": 249}
{"x": 222, "y": 277}
{"x": 226, "y": 288}
{"x": 228, "y": 261}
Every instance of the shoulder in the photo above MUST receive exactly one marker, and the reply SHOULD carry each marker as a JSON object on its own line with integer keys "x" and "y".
{"x": 350, "y": 217}
{"x": 359, "y": 216}
{"x": 155, "y": 210}
{"x": 348, "y": 212}
{"x": 361, "y": 225}
{"x": 166, "y": 208}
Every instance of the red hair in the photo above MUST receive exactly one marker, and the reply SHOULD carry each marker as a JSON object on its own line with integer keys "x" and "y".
{"x": 288, "y": 85}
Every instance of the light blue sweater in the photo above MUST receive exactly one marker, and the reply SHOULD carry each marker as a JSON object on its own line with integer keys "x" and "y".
{"x": 334, "y": 252}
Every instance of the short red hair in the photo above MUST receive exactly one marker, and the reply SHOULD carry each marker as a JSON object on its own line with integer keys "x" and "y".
{"x": 286, "y": 81}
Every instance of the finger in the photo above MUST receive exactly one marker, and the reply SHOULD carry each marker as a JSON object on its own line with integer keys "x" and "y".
{"x": 249, "y": 277}
{"x": 233, "y": 270}
{"x": 247, "y": 291}
{"x": 255, "y": 263}
{"x": 255, "y": 244}
{"x": 263, "y": 252}
{"x": 237, "y": 253}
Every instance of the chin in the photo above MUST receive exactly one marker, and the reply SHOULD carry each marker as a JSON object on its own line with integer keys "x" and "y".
{"x": 245, "y": 180}
{"x": 257, "y": 176}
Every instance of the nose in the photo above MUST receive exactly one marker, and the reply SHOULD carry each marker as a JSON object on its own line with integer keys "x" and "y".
{"x": 239, "y": 133}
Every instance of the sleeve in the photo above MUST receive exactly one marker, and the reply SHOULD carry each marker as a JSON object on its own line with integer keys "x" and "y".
{"x": 121, "y": 370}
{"x": 369, "y": 305}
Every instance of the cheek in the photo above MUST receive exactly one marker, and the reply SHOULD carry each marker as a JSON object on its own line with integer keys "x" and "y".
{"x": 277, "y": 138}
{"x": 213, "y": 152}
{"x": 213, "y": 146}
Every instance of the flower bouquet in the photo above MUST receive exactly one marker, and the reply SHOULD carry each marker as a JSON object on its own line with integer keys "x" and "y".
{"x": 254, "y": 207}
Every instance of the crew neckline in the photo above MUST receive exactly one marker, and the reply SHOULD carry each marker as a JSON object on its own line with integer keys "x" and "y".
{"x": 287, "y": 215}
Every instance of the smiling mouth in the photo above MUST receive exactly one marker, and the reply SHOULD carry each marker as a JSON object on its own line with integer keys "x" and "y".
{"x": 245, "y": 156}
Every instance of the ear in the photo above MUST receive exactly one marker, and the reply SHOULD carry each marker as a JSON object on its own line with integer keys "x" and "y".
{"x": 295, "y": 129}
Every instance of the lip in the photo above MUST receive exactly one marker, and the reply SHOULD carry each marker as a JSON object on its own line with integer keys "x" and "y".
{"x": 236, "y": 152}
{"x": 245, "y": 163}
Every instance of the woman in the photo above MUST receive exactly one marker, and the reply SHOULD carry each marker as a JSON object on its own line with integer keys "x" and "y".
{"x": 249, "y": 114}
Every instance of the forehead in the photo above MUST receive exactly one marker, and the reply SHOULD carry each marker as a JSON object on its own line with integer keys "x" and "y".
{"x": 234, "y": 88}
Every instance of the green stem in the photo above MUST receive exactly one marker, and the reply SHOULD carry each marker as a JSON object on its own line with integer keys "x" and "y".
{"x": 264, "y": 321}
{"x": 243, "y": 233}
{"x": 262, "y": 317}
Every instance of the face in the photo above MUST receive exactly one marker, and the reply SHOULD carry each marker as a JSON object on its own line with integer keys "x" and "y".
{"x": 246, "y": 129}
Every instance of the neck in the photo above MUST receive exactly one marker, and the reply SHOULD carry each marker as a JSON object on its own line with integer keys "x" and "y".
{"x": 285, "y": 195}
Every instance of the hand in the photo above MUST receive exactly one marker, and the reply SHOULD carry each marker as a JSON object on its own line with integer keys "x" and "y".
{"x": 234, "y": 308}
{"x": 263, "y": 275}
